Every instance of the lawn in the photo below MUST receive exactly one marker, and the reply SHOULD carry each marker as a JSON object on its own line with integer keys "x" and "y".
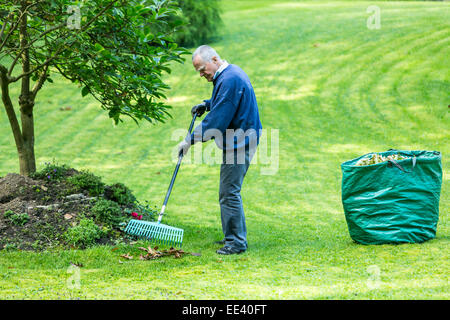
{"x": 329, "y": 89}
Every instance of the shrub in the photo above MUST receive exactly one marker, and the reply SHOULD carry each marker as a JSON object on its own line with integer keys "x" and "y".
{"x": 148, "y": 214}
{"x": 51, "y": 171}
{"x": 8, "y": 213}
{"x": 108, "y": 212}
{"x": 120, "y": 193}
{"x": 18, "y": 219}
{"x": 88, "y": 182}
{"x": 84, "y": 234}
{"x": 201, "y": 20}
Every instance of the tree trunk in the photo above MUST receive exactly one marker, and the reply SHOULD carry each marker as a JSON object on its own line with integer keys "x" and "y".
{"x": 26, "y": 101}
{"x": 27, "y": 159}
{"x": 24, "y": 138}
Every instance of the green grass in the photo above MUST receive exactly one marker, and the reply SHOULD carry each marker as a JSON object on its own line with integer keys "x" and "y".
{"x": 335, "y": 90}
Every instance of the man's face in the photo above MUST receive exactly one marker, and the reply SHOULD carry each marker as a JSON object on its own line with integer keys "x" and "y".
{"x": 206, "y": 69}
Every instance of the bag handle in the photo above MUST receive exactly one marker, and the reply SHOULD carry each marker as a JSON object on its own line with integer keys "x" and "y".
{"x": 398, "y": 166}
{"x": 414, "y": 160}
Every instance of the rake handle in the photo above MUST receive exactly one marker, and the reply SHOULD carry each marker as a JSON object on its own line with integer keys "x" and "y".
{"x": 174, "y": 175}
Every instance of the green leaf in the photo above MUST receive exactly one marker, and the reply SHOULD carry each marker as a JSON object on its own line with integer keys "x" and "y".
{"x": 85, "y": 91}
{"x": 98, "y": 47}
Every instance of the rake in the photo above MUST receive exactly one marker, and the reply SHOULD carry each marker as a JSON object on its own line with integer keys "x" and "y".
{"x": 156, "y": 231}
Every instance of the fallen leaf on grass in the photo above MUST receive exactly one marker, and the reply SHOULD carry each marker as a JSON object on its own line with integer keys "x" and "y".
{"x": 77, "y": 264}
{"x": 127, "y": 256}
{"x": 153, "y": 253}
{"x": 172, "y": 251}
{"x": 149, "y": 250}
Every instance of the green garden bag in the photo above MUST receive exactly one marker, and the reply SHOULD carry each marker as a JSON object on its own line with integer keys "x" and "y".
{"x": 393, "y": 201}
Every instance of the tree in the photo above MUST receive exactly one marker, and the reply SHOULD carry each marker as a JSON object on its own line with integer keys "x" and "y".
{"x": 114, "y": 49}
{"x": 201, "y": 22}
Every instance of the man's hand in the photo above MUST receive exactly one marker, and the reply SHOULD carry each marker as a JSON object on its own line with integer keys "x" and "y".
{"x": 183, "y": 147}
{"x": 199, "y": 109}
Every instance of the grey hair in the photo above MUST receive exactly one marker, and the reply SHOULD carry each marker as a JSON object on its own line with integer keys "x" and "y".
{"x": 206, "y": 53}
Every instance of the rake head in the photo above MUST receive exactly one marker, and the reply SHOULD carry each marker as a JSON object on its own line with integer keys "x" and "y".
{"x": 155, "y": 231}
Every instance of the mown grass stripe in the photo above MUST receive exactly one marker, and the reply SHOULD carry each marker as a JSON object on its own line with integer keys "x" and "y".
{"x": 344, "y": 89}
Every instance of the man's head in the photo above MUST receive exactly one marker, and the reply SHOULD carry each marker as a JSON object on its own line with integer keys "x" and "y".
{"x": 206, "y": 61}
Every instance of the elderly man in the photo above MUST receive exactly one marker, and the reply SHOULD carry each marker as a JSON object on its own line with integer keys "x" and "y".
{"x": 233, "y": 122}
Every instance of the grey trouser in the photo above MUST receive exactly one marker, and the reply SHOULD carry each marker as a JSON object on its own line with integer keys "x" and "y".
{"x": 232, "y": 173}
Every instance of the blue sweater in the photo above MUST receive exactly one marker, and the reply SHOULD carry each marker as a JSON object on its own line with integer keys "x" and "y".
{"x": 232, "y": 106}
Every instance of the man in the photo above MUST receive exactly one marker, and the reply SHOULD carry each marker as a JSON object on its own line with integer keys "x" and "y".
{"x": 233, "y": 122}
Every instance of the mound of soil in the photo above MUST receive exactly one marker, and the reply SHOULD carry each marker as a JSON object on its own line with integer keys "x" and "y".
{"x": 52, "y": 207}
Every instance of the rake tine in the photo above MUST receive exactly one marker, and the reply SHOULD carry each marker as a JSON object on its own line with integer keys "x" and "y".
{"x": 169, "y": 234}
{"x": 165, "y": 236}
{"x": 172, "y": 237}
{"x": 150, "y": 232}
{"x": 175, "y": 238}
{"x": 156, "y": 232}
{"x": 168, "y": 237}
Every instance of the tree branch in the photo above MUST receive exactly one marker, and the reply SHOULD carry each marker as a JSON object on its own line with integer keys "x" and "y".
{"x": 9, "y": 107}
{"x": 79, "y": 80}
{"x": 14, "y": 26}
{"x": 55, "y": 55}
{"x": 5, "y": 22}
{"x": 38, "y": 85}
{"x": 30, "y": 43}
{"x": 63, "y": 74}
